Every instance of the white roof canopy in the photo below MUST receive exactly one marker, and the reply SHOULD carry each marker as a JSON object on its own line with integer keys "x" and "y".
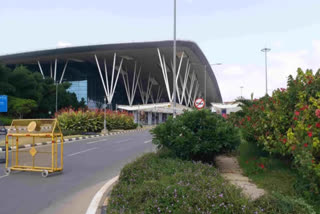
{"x": 157, "y": 107}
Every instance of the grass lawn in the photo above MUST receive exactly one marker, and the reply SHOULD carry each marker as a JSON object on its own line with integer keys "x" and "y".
{"x": 159, "y": 183}
{"x": 274, "y": 174}
{"x": 28, "y": 140}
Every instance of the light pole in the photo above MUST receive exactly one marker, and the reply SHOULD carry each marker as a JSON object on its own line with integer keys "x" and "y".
{"x": 104, "y": 120}
{"x": 57, "y": 97}
{"x": 241, "y": 87}
{"x": 174, "y": 56}
{"x": 205, "y": 77}
{"x": 266, "y": 50}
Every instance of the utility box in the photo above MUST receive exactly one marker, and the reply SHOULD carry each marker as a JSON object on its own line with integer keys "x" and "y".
{"x": 27, "y": 147}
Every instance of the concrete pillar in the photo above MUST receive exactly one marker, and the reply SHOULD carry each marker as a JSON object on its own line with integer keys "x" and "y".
{"x": 135, "y": 115}
{"x": 149, "y": 118}
{"x": 160, "y": 117}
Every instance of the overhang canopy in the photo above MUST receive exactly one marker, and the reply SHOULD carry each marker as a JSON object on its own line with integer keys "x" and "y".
{"x": 145, "y": 54}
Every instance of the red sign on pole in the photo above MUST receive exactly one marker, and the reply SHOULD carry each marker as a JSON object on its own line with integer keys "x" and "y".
{"x": 199, "y": 103}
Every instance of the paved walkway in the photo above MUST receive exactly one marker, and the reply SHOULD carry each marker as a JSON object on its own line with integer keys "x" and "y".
{"x": 231, "y": 171}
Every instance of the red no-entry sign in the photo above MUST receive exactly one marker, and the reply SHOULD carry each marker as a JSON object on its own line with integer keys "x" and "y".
{"x": 199, "y": 103}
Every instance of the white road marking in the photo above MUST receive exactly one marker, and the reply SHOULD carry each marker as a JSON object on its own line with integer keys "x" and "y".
{"x": 121, "y": 141}
{"x": 14, "y": 172}
{"x": 96, "y": 141}
{"x": 87, "y": 150}
{"x": 148, "y": 141}
{"x": 3, "y": 176}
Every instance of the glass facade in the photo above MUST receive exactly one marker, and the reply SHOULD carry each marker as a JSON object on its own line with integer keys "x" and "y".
{"x": 80, "y": 88}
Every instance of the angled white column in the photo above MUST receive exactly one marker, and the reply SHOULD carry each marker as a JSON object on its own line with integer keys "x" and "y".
{"x": 104, "y": 86}
{"x": 142, "y": 92}
{"x": 177, "y": 77}
{"x": 149, "y": 87}
{"x": 159, "y": 94}
{"x": 64, "y": 70}
{"x": 131, "y": 92}
{"x": 163, "y": 66}
{"x": 193, "y": 78}
{"x": 50, "y": 69}
{"x": 185, "y": 81}
{"x": 55, "y": 69}
{"x": 195, "y": 93}
{"x": 41, "y": 70}
{"x": 109, "y": 90}
{"x": 106, "y": 75}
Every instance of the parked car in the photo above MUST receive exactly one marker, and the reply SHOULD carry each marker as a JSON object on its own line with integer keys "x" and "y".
{"x": 3, "y": 130}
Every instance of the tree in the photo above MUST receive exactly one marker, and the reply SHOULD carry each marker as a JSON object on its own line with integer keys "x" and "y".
{"x": 20, "y": 106}
{"x": 28, "y": 85}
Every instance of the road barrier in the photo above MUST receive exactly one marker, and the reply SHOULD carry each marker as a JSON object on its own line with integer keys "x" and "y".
{"x": 44, "y": 159}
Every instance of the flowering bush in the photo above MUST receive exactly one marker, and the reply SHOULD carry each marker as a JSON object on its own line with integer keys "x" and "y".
{"x": 92, "y": 120}
{"x": 288, "y": 123}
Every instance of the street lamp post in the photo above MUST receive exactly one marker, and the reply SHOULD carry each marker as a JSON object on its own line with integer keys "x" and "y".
{"x": 104, "y": 121}
{"x": 266, "y": 50}
{"x": 174, "y": 56}
{"x": 205, "y": 77}
{"x": 57, "y": 97}
{"x": 241, "y": 87}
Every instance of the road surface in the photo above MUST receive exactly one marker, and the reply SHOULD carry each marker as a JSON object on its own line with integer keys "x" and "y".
{"x": 88, "y": 164}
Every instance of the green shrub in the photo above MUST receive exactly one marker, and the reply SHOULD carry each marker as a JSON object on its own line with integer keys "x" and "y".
{"x": 197, "y": 135}
{"x": 278, "y": 203}
{"x": 154, "y": 184}
{"x": 71, "y": 132}
{"x": 157, "y": 183}
{"x": 92, "y": 121}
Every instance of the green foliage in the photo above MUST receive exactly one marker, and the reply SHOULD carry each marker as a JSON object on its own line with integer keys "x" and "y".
{"x": 25, "y": 84}
{"x": 197, "y": 135}
{"x": 20, "y": 107}
{"x": 71, "y": 132}
{"x": 5, "y": 120}
{"x": 277, "y": 177}
{"x": 158, "y": 183}
{"x": 288, "y": 124}
{"x": 92, "y": 121}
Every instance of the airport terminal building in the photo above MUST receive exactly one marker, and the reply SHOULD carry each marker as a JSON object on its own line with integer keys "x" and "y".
{"x": 132, "y": 76}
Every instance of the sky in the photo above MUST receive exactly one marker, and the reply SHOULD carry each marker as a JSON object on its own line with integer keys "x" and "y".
{"x": 230, "y": 32}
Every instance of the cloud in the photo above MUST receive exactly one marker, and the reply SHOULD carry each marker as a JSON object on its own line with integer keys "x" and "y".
{"x": 252, "y": 76}
{"x": 62, "y": 44}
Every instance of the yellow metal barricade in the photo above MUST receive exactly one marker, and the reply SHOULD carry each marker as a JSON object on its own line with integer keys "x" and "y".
{"x": 33, "y": 145}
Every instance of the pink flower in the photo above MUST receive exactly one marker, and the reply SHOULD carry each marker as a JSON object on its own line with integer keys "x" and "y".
{"x": 310, "y": 134}
{"x": 318, "y": 113}
{"x": 295, "y": 118}
{"x": 297, "y": 113}
{"x": 318, "y": 125}
{"x": 305, "y": 145}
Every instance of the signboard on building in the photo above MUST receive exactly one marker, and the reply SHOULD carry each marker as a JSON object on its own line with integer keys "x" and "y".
{"x": 3, "y": 103}
{"x": 199, "y": 103}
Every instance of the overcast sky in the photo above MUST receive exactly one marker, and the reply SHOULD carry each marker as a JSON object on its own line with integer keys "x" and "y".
{"x": 231, "y": 32}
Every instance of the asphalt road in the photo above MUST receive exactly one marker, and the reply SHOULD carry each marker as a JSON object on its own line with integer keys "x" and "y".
{"x": 88, "y": 164}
